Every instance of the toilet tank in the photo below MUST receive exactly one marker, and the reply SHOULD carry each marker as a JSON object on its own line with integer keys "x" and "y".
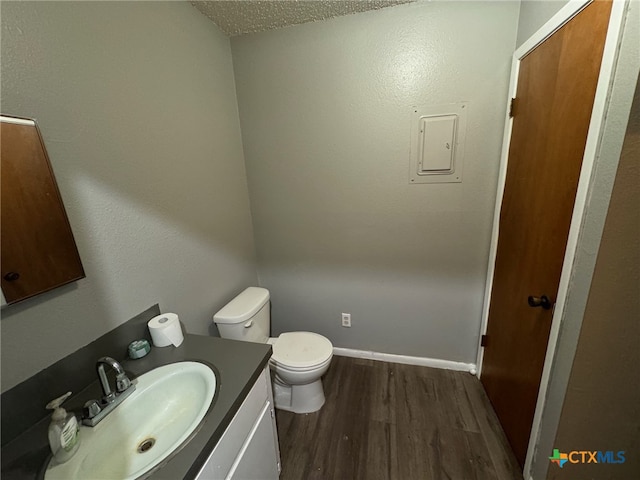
{"x": 246, "y": 317}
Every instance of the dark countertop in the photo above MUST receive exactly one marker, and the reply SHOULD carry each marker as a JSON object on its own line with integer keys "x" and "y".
{"x": 238, "y": 365}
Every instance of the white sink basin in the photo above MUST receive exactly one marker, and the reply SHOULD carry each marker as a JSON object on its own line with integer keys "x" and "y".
{"x": 168, "y": 404}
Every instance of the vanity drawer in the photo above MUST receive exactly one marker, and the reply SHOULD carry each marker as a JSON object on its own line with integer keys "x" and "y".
{"x": 228, "y": 448}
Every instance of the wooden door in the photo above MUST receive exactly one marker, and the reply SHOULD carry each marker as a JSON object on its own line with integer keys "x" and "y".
{"x": 555, "y": 93}
{"x": 38, "y": 251}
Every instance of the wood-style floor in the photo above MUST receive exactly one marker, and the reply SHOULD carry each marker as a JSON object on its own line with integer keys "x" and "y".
{"x": 391, "y": 421}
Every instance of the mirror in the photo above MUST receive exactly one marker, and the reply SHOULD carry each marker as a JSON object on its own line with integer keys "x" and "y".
{"x": 38, "y": 249}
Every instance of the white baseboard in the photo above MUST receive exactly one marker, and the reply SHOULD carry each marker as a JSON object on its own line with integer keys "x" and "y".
{"x": 405, "y": 359}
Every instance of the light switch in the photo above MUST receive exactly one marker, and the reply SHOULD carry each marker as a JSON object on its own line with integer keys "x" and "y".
{"x": 437, "y": 135}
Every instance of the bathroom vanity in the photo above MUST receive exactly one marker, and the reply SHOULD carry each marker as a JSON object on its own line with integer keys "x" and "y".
{"x": 236, "y": 439}
{"x": 248, "y": 448}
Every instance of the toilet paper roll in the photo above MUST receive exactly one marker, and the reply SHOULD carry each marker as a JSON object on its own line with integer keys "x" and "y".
{"x": 165, "y": 330}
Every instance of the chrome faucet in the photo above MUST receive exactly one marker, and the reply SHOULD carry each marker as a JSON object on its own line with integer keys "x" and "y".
{"x": 94, "y": 410}
{"x": 122, "y": 381}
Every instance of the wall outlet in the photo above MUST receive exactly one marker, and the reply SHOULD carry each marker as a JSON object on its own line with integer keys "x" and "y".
{"x": 346, "y": 320}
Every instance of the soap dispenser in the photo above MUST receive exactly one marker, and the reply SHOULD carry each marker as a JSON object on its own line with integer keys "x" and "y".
{"x": 63, "y": 431}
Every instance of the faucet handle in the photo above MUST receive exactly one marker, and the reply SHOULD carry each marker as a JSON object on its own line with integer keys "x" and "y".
{"x": 122, "y": 382}
{"x": 91, "y": 409}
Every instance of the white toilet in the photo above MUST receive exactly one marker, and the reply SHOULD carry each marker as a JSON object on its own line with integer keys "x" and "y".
{"x": 299, "y": 358}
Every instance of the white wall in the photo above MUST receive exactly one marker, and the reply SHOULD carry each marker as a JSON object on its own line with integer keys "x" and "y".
{"x": 325, "y": 111}
{"x": 534, "y": 14}
{"x": 137, "y": 106}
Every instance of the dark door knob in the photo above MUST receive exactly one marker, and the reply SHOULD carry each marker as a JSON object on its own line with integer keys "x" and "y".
{"x": 542, "y": 301}
{"x": 12, "y": 276}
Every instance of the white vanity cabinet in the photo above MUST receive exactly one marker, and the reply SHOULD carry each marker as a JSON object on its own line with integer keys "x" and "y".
{"x": 248, "y": 448}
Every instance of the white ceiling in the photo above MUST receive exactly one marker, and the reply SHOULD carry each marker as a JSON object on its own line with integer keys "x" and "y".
{"x": 237, "y": 17}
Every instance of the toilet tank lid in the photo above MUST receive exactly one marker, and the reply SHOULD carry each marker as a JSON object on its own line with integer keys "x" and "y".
{"x": 243, "y": 307}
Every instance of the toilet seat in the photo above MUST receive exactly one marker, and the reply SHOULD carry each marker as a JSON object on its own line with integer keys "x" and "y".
{"x": 301, "y": 351}
{"x": 282, "y": 367}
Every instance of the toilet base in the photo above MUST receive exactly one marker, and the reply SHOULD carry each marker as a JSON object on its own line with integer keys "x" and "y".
{"x": 307, "y": 398}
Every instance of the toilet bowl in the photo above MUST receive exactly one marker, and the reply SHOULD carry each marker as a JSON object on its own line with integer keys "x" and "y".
{"x": 299, "y": 358}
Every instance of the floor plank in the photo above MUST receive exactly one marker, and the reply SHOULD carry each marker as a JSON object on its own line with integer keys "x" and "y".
{"x": 386, "y": 421}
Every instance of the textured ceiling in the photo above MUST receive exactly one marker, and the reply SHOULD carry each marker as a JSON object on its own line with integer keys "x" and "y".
{"x": 238, "y": 17}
